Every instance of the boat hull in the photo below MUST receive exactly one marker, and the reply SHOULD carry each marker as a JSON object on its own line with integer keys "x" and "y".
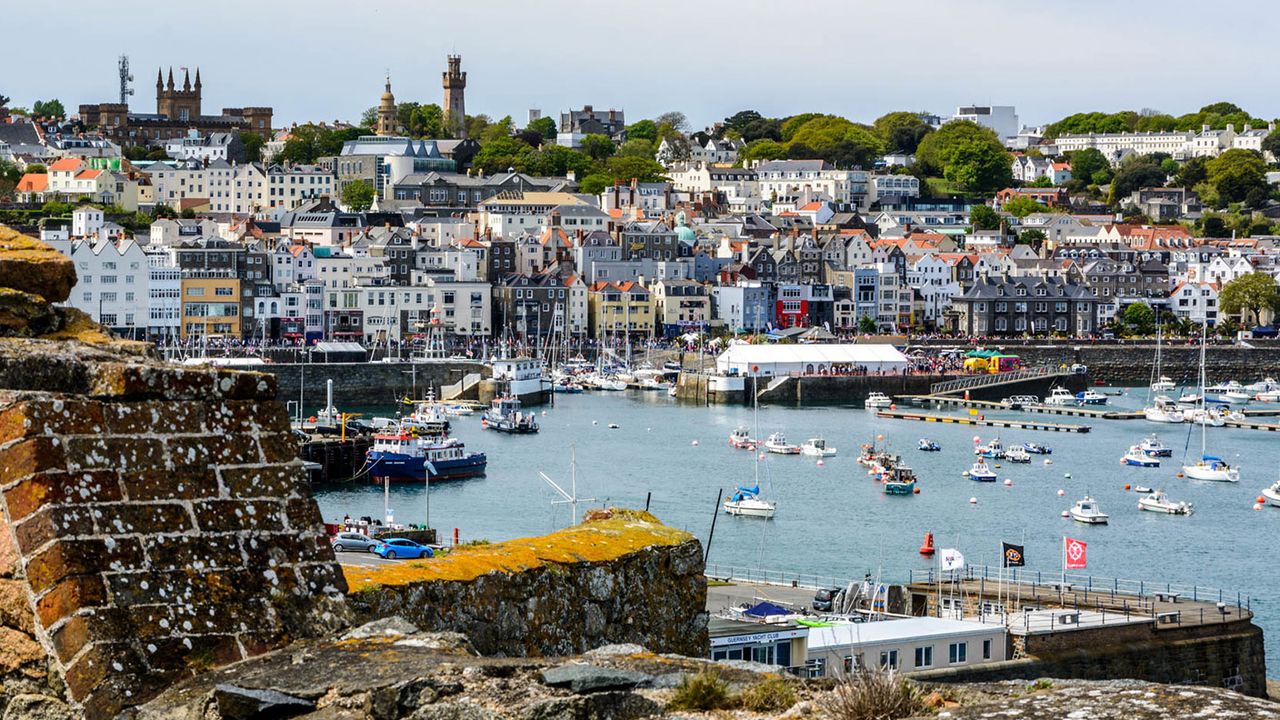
{"x": 899, "y": 488}
{"x": 1146, "y": 462}
{"x": 757, "y": 509}
{"x": 1090, "y": 519}
{"x": 399, "y": 466}
{"x": 1162, "y": 508}
{"x": 983, "y": 478}
{"x": 1198, "y": 472}
{"x": 1272, "y": 497}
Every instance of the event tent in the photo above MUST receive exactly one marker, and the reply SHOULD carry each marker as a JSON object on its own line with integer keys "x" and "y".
{"x": 744, "y": 359}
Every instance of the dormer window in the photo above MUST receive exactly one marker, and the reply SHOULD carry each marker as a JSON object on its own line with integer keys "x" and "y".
{"x": 1022, "y": 292}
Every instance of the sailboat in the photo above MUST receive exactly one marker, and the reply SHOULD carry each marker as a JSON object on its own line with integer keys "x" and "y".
{"x": 1162, "y": 408}
{"x": 1209, "y": 467}
{"x": 1160, "y": 383}
{"x": 745, "y": 501}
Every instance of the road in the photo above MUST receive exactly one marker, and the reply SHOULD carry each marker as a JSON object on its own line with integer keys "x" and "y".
{"x": 362, "y": 559}
{"x": 722, "y": 596}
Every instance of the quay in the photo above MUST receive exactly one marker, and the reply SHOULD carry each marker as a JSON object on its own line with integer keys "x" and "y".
{"x": 981, "y": 421}
{"x": 331, "y": 459}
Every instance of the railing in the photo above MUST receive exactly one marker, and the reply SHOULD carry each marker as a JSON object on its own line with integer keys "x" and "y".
{"x": 781, "y": 578}
{"x": 984, "y": 380}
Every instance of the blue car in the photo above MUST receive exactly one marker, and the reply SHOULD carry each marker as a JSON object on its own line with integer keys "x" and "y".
{"x": 393, "y": 548}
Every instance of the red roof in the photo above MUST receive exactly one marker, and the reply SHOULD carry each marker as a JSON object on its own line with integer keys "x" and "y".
{"x": 66, "y": 165}
{"x": 33, "y": 182}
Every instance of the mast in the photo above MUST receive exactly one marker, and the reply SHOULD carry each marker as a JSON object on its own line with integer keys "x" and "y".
{"x": 1203, "y": 407}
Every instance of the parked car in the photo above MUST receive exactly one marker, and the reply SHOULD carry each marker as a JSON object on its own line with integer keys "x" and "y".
{"x": 824, "y": 599}
{"x": 393, "y": 548}
{"x": 356, "y": 542}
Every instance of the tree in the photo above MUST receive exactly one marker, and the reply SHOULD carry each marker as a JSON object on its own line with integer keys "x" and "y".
{"x": 476, "y": 125}
{"x": 1091, "y": 166}
{"x": 1192, "y": 172}
{"x": 789, "y": 126}
{"x": 762, "y": 150}
{"x": 1134, "y": 176}
{"x": 1254, "y": 293}
{"x": 642, "y": 170}
{"x": 598, "y": 147}
{"x": 48, "y": 108}
{"x": 1034, "y": 237}
{"x": 866, "y": 325}
{"x": 163, "y": 211}
{"x": 595, "y": 183}
{"x": 1235, "y": 173}
{"x": 674, "y": 120}
{"x": 1214, "y": 226}
{"x": 741, "y": 119}
{"x": 976, "y": 165}
{"x": 424, "y": 121}
{"x": 1140, "y": 317}
{"x": 643, "y": 130}
{"x": 900, "y": 131}
{"x": 357, "y": 196}
{"x": 253, "y": 144}
{"x": 307, "y": 143}
{"x": 503, "y": 128}
{"x": 1271, "y": 144}
{"x": 1021, "y": 207}
{"x": 636, "y": 147}
{"x": 369, "y": 118}
{"x": 554, "y": 160}
{"x": 982, "y": 217}
{"x": 544, "y": 126}
{"x": 498, "y": 155}
{"x": 36, "y": 169}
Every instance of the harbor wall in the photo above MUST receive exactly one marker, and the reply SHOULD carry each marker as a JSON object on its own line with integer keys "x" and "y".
{"x": 619, "y": 577}
{"x": 364, "y": 384}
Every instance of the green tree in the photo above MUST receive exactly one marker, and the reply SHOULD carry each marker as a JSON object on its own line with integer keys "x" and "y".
{"x": 982, "y": 217}
{"x": 762, "y": 150}
{"x": 498, "y": 155}
{"x": 48, "y": 108}
{"x": 867, "y": 325}
{"x": 1235, "y": 173}
{"x": 598, "y": 147}
{"x": 253, "y": 144}
{"x": 1090, "y": 166}
{"x": 643, "y": 130}
{"x": 637, "y": 147}
{"x": 1192, "y": 172}
{"x": 900, "y": 131}
{"x": 35, "y": 169}
{"x": 1271, "y": 144}
{"x": 595, "y": 183}
{"x": 544, "y": 126}
{"x": 357, "y": 196}
{"x": 552, "y": 161}
{"x": 1021, "y": 207}
{"x": 1250, "y": 293}
{"x": 627, "y": 169}
{"x": 674, "y": 119}
{"x": 1214, "y": 226}
{"x": 476, "y": 125}
{"x": 790, "y": 125}
{"x": 425, "y": 121}
{"x": 1135, "y": 175}
{"x": 503, "y": 128}
{"x": 1140, "y": 318}
{"x": 163, "y": 211}
{"x": 369, "y": 118}
{"x": 1034, "y": 237}
{"x": 977, "y": 165}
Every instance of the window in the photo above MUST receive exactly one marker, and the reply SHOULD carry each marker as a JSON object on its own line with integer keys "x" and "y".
{"x": 924, "y": 656}
{"x": 986, "y": 648}
{"x": 223, "y": 291}
{"x": 888, "y": 659}
{"x": 957, "y": 653}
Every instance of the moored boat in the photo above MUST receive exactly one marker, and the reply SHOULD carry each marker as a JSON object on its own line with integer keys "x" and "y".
{"x": 898, "y": 479}
{"x": 993, "y": 450}
{"x": 877, "y": 400}
{"x": 927, "y": 445}
{"x": 1163, "y": 385}
{"x": 1213, "y": 469}
{"x": 1272, "y": 494}
{"x": 504, "y": 415}
{"x": 1153, "y": 446}
{"x": 1060, "y": 396}
{"x": 1037, "y": 448}
{"x": 777, "y": 444}
{"x": 746, "y": 502}
{"x": 817, "y": 447}
{"x": 1091, "y": 397}
{"x": 1163, "y": 410}
{"x": 1087, "y": 511}
{"x": 402, "y": 454}
{"x": 980, "y": 472}
{"x": 741, "y": 439}
{"x": 1158, "y": 502}
{"x": 1017, "y": 454}
{"x": 1137, "y": 458}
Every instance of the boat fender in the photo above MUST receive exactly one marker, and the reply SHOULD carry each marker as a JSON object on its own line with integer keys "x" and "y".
{"x": 1257, "y": 506}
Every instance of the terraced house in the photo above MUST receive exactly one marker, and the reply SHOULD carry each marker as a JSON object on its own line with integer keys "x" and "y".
{"x": 1011, "y": 307}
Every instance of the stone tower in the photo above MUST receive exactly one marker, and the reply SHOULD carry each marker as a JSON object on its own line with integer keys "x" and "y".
{"x": 455, "y": 110}
{"x": 178, "y": 104}
{"x": 387, "y": 111}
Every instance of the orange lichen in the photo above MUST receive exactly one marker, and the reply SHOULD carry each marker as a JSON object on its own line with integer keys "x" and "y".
{"x": 623, "y": 533}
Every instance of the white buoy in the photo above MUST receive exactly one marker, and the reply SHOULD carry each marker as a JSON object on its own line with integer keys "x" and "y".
{"x": 1008, "y": 482}
{"x": 1066, "y": 514}
{"x": 1061, "y": 492}
{"x": 695, "y": 443}
{"x": 821, "y": 463}
{"x": 1067, "y": 475}
{"x": 595, "y": 422}
{"x": 1257, "y": 506}
{"x": 1048, "y": 461}
{"x": 973, "y": 501}
{"x": 761, "y": 456}
{"x": 964, "y": 474}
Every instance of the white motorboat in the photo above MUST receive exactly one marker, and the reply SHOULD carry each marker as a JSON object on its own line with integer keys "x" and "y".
{"x": 980, "y": 472}
{"x": 1141, "y": 490}
{"x": 1272, "y": 494}
{"x": 1164, "y": 410}
{"x": 1153, "y": 446}
{"x": 1137, "y": 458}
{"x": 1207, "y": 416}
{"x": 777, "y": 444}
{"x": 1209, "y": 467}
{"x": 1091, "y": 397}
{"x": 993, "y": 450}
{"x": 1163, "y": 385}
{"x": 747, "y": 503}
{"x": 1017, "y": 454}
{"x": 1268, "y": 396}
{"x": 1190, "y": 398}
{"x": 817, "y": 447}
{"x": 1159, "y": 503}
{"x": 741, "y": 438}
{"x": 877, "y": 400}
{"x": 1060, "y": 396}
{"x": 1264, "y": 385}
{"x": 1239, "y": 397}
{"x": 1087, "y": 511}
{"x": 459, "y": 410}
{"x": 1224, "y": 387}
{"x": 1037, "y": 448}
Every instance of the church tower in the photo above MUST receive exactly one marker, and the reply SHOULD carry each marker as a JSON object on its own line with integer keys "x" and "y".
{"x": 181, "y": 104}
{"x": 455, "y": 111}
{"x": 387, "y": 111}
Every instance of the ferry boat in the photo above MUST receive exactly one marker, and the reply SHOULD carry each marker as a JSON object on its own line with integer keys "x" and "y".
{"x": 993, "y": 450}
{"x": 898, "y": 479}
{"x": 1272, "y": 494}
{"x": 404, "y": 454}
{"x": 504, "y": 415}
{"x": 927, "y": 445}
{"x": 1017, "y": 454}
{"x": 1087, "y": 511}
{"x": 741, "y": 438}
{"x": 747, "y": 503}
{"x": 1137, "y": 458}
{"x": 1091, "y": 397}
{"x": 1158, "y": 502}
{"x": 777, "y": 444}
{"x": 981, "y": 473}
{"x": 1153, "y": 446}
{"x": 877, "y": 400}
{"x": 817, "y": 447}
{"x": 1060, "y": 396}
{"x": 1037, "y": 448}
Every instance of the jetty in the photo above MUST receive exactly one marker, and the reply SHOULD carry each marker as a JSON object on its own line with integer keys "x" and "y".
{"x": 981, "y": 421}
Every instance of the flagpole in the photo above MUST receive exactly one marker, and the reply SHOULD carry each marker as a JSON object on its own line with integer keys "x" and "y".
{"x": 1062, "y": 587}
{"x": 1024, "y": 564}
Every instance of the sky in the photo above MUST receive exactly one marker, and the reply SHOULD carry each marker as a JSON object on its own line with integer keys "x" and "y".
{"x": 323, "y": 59}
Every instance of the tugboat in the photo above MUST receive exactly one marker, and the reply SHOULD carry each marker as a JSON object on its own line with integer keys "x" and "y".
{"x": 504, "y": 416}
{"x": 403, "y": 454}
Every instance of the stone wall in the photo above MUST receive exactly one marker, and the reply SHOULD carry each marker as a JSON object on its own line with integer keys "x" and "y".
{"x": 621, "y": 578}
{"x": 364, "y": 384}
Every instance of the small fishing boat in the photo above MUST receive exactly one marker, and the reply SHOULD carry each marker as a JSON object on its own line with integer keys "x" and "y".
{"x": 1060, "y": 396}
{"x": 980, "y": 472}
{"x": 1163, "y": 385}
{"x": 817, "y": 447}
{"x": 504, "y": 415}
{"x": 1137, "y": 458}
{"x": 868, "y": 455}
{"x": 993, "y": 450}
{"x": 745, "y": 502}
{"x": 1158, "y": 502}
{"x": 741, "y": 438}
{"x": 1037, "y": 448}
{"x": 1140, "y": 489}
{"x": 1213, "y": 469}
{"x": 1153, "y": 446}
{"x": 926, "y": 445}
{"x": 1017, "y": 454}
{"x": 1091, "y": 397}
{"x": 1272, "y": 494}
{"x": 877, "y": 400}
{"x": 777, "y": 444}
{"x": 1087, "y": 511}
{"x": 898, "y": 480}
{"x": 459, "y": 410}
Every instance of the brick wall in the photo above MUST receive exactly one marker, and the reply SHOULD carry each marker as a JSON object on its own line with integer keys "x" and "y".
{"x": 155, "y": 523}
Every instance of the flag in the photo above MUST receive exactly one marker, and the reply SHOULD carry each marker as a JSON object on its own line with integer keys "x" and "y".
{"x": 951, "y": 559}
{"x": 1074, "y": 553}
{"x": 1013, "y": 555}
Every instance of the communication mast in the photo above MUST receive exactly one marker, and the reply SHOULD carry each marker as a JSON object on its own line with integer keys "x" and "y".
{"x": 125, "y": 79}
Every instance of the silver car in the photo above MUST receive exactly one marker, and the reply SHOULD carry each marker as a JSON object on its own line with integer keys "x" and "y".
{"x": 353, "y": 541}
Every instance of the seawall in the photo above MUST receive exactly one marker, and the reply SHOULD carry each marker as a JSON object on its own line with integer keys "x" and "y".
{"x": 364, "y": 384}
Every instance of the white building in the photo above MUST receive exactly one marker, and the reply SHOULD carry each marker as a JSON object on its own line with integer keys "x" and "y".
{"x": 194, "y": 146}
{"x": 904, "y": 645}
{"x": 461, "y": 308}
{"x": 1195, "y": 301}
{"x": 164, "y": 296}
{"x": 894, "y": 188}
{"x": 744, "y": 359}
{"x": 788, "y": 178}
{"x": 112, "y": 284}
{"x": 1003, "y": 119}
{"x": 1180, "y": 145}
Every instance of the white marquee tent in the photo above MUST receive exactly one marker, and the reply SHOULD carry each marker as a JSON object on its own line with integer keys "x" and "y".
{"x": 741, "y": 359}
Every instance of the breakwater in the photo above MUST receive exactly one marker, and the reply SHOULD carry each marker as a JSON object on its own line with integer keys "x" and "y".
{"x": 365, "y": 383}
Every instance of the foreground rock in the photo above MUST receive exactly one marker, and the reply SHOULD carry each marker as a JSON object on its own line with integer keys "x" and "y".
{"x": 1103, "y": 700}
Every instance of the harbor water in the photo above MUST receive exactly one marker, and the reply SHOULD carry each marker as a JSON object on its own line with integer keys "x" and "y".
{"x": 832, "y": 520}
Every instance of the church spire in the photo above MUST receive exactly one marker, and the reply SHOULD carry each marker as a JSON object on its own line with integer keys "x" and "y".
{"x": 159, "y": 79}
{"x": 197, "y": 78}
{"x": 171, "y": 77}
{"x": 186, "y": 79}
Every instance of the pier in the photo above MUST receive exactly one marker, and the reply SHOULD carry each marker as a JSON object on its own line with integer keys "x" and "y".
{"x": 981, "y": 421}
{"x": 334, "y": 459}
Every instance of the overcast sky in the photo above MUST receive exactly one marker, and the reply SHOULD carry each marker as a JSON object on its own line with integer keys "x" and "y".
{"x": 322, "y": 59}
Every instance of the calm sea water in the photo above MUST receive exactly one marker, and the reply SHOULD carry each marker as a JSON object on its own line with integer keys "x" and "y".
{"x": 832, "y": 520}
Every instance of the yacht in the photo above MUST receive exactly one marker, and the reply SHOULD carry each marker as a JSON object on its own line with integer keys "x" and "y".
{"x": 777, "y": 444}
{"x": 981, "y": 473}
{"x": 817, "y": 447}
{"x": 741, "y": 439}
{"x": 1208, "y": 467}
{"x": 1060, "y": 396}
{"x": 1159, "y": 503}
{"x": 927, "y": 445}
{"x": 1153, "y": 446}
{"x": 1087, "y": 511}
{"x": 1164, "y": 410}
{"x": 1209, "y": 416}
{"x": 1091, "y": 397}
{"x": 1137, "y": 458}
{"x": 1189, "y": 398}
{"x": 1272, "y": 494}
{"x": 993, "y": 450}
{"x": 877, "y": 400}
{"x": 746, "y": 502}
{"x": 1268, "y": 396}
{"x": 504, "y": 415}
{"x": 1017, "y": 454}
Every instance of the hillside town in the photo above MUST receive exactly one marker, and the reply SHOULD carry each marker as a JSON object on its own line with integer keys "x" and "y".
{"x": 588, "y": 226}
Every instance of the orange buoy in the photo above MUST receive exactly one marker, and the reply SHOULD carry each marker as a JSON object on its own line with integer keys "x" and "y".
{"x": 311, "y": 419}
{"x": 1126, "y": 486}
{"x": 1261, "y": 500}
{"x": 927, "y": 547}
{"x": 916, "y": 491}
